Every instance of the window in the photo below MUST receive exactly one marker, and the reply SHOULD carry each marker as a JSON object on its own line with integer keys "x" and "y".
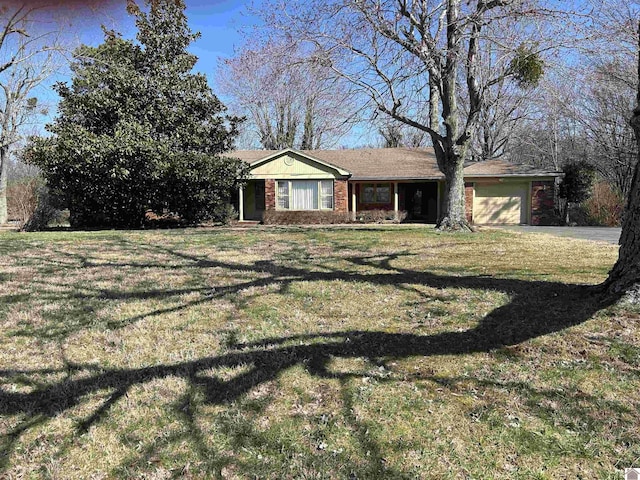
{"x": 383, "y": 193}
{"x": 305, "y": 194}
{"x": 283, "y": 195}
{"x": 376, "y": 193}
{"x": 326, "y": 194}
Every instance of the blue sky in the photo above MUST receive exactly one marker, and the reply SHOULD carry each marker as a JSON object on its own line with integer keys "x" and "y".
{"x": 219, "y": 22}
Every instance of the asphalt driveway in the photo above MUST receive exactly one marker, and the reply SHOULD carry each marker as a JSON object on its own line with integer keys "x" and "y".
{"x": 596, "y": 234}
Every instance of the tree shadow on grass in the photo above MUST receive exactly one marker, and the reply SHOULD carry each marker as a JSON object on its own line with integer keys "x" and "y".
{"x": 535, "y": 308}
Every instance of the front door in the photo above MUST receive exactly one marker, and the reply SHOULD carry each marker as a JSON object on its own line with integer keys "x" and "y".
{"x": 421, "y": 201}
{"x": 259, "y": 196}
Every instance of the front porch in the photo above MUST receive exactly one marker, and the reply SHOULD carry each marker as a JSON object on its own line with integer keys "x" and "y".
{"x": 420, "y": 200}
{"x": 251, "y": 201}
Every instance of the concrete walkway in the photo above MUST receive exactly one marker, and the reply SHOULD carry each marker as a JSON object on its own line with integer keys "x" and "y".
{"x": 596, "y": 234}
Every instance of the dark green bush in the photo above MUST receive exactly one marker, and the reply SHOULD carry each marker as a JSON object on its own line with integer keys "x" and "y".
{"x": 137, "y": 130}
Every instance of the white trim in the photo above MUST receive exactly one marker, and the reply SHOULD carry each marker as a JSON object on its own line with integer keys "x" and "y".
{"x": 396, "y": 200}
{"x": 354, "y": 200}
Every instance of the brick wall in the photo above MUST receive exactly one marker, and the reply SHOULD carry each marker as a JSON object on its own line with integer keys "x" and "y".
{"x": 269, "y": 194}
{"x": 468, "y": 201}
{"x": 340, "y": 196}
{"x": 542, "y": 203}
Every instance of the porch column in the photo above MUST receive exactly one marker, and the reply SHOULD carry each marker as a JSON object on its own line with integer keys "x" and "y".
{"x": 241, "y": 204}
{"x": 396, "y": 201}
{"x": 354, "y": 202}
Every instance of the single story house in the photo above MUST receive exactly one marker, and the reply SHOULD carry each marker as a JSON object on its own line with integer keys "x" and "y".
{"x": 392, "y": 179}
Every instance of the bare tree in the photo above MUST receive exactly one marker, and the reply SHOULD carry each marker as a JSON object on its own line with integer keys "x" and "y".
{"x": 548, "y": 137}
{"x": 507, "y": 106}
{"x": 582, "y": 109}
{"x": 26, "y": 60}
{"x": 397, "y": 134}
{"x": 413, "y": 56}
{"x": 289, "y": 101}
{"x": 603, "y": 112}
{"x": 392, "y": 135}
{"x": 608, "y": 78}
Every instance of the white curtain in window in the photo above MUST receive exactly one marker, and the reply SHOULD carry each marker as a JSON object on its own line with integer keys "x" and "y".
{"x": 304, "y": 195}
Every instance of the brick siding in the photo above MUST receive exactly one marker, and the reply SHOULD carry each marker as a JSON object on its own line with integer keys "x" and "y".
{"x": 269, "y": 194}
{"x": 542, "y": 203}
{"x": 468, "y": 201}
{"x": 340, "y": 196}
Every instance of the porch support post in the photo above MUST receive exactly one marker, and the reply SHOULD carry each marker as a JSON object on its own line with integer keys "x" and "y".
{"x": 241, "y": 204}
{"x": 396, "y": 201}
{"x": 354, "y": 202}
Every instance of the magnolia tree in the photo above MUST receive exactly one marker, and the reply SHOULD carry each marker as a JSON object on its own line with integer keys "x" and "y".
{"x": 138, "y": 130}
{"x": 425, "y": 63}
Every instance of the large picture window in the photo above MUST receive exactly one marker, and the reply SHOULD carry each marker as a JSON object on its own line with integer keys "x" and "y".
{"x": 376, "y": 193}
{"x": 305, "y": 194}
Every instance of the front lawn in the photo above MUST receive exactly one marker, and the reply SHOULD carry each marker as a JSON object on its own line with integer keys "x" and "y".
{"x": 381, "y": 352}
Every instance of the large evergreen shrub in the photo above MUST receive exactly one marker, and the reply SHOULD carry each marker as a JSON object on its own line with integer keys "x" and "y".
{"x": 137, "y": 129}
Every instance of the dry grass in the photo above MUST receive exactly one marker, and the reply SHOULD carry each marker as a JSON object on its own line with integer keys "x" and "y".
{"x": 323, "y": 353}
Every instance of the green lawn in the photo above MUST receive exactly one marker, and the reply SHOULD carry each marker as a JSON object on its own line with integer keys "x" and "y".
{"x": 313, "y": 353}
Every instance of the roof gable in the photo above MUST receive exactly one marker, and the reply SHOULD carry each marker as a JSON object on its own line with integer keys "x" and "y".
{"x": 291, "y": 163}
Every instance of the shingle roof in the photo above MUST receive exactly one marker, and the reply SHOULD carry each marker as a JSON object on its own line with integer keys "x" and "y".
{"x": 398, "y": 163}
{"x": 502, "y": 168}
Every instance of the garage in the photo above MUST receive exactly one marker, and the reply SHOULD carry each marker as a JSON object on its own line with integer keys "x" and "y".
{"x": 501, "y": 203}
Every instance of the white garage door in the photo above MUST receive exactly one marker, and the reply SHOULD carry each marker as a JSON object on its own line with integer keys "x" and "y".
{"x": 501, "y": 203}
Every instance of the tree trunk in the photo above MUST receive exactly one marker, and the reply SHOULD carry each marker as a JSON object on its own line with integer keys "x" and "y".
{"x": 4, "y": 171}
{"x": 307, "y": 134}
{"x": 451, "y": 150}
{"x": 625, "y": 275}
{"x": 453, "y": 215}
